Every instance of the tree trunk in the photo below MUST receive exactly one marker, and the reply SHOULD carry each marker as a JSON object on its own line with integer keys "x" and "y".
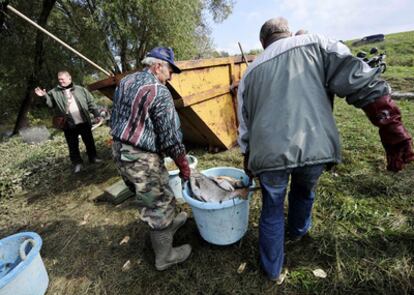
{"x": 123, "y": 54}
{"x": 32, "y": 80}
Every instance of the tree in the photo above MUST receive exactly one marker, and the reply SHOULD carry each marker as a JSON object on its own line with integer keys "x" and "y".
{"x": 220, "y": 54}
{"x": 117, "y": 34}
{"x": 36, "y": 67}
{"x": 128, "y": 29}
{"x": 255, "y": 51}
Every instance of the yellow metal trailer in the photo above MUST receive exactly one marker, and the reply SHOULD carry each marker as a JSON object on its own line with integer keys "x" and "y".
{"x": 203, "y": 98}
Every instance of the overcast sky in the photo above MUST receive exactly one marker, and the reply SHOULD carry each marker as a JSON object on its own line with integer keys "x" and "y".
{"x": 338, "y": 19}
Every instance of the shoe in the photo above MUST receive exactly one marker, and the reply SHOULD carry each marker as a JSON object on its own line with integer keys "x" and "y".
{"x": 296, "y": 239}
{"x": 281, "y": 278}
{"x": 77, "y": 168}
{"x": 95, "y": 161}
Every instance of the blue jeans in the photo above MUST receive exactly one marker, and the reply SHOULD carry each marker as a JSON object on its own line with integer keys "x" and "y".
{"x": 272, "y": 224}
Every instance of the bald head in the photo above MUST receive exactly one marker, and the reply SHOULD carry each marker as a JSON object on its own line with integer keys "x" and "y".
{"x": 273, "y": 30}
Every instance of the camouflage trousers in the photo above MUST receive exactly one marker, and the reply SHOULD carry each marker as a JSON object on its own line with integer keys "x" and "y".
{"x": 145, "y": 174}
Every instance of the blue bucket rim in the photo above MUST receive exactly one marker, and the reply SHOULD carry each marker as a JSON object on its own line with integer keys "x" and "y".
{"x": 22, "y": 265}
{"x": 214, "y": 205}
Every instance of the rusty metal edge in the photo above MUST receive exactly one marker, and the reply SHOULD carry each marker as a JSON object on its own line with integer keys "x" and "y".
{"x": 184, "y": 65}
{"x": 211, "y": 62}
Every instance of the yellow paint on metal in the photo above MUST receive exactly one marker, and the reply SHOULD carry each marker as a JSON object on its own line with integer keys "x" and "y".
{"x": 219, "y": 115}
{"x": 198, "y": 80}
{"x": 206, "y": 106}
{"x": 202, "y": 97}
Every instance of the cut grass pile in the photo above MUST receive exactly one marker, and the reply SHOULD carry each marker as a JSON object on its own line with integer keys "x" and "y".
{"x": 362, "y": 234}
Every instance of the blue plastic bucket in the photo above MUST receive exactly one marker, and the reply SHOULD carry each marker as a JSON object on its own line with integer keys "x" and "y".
{"x": 22, "y": 271}
{"x": 221, "y": 223}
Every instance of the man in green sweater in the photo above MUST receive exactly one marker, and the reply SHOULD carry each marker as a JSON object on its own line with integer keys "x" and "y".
{"x": 74, "y": 103}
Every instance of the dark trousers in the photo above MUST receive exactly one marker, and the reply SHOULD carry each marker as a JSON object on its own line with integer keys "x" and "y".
{"x": 72, "y": 139}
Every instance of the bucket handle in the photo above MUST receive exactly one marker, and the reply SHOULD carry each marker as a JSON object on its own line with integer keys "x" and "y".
{"x": 22, "y": 251}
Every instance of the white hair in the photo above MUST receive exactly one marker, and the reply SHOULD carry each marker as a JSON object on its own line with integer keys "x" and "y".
{"x": 60, "y": 73}
{"x": 149, "y": 61}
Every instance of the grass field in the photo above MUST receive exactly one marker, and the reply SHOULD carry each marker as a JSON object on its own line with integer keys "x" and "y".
{"x": 362, "y": 234}
{"x": 400, "y": 59}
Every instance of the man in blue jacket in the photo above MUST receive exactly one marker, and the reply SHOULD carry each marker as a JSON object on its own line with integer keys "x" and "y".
{"x": 287, "y": 129}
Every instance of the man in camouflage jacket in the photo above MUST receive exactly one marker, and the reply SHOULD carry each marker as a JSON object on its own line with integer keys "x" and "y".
{"x": 145, "y": 127}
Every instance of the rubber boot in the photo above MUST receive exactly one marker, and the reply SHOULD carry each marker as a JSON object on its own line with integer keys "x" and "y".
{"x": 165, "y": 255}
{"x": 178, "y": 221}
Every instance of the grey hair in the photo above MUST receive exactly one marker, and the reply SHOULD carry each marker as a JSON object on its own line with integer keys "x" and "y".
{"x": 274, "y": 29}
{"x": 63, "y": 72}
{"x": 149, "y": 61}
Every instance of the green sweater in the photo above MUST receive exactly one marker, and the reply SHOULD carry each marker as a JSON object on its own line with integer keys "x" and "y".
{"x": 56, "y": 99}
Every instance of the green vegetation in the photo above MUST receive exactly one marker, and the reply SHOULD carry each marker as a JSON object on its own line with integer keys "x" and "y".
{"x": 400, "y": 59}
{"x": 114, "y": 34}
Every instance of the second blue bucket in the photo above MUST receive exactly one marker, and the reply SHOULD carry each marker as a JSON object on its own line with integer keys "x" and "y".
{"x": 22, "y": 271}
{"x": 221, "y": 223}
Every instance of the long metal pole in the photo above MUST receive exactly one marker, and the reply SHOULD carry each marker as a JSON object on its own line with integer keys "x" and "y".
{"x": 242, "y": 53}
{"x": 12, "y": 9}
